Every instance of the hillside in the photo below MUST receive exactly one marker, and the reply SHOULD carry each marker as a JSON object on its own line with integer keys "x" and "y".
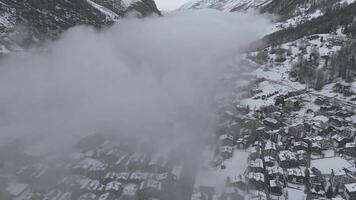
{"x": 32, "y": 21}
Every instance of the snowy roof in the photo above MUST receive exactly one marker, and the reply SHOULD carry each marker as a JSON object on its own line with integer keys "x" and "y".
{"x": 286, "y": 155}
{"x": 114, "y": 185}
{"x": 295, "y": 172}
{"x": 270, "y": 145}
{"x": 227, "y": 149}
{"x": 350, "y": 145}
{"x": 275, "y": 170}
{"x": 16, "y": 189}
{"x": 258, "y": 163}
{"x": 104, "y": 196}
{"x": 256, "y": 176}
{"x": 90, "y": 163}
{"x": 130, "y": 189}
{"x": 321, "y": 118}
{"x": 226, "y": 136}
{"x": 271, "y": 120}
{"x": 351, "y": 187}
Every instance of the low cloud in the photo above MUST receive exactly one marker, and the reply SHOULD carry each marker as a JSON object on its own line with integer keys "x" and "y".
{"x": 153, "y": 77}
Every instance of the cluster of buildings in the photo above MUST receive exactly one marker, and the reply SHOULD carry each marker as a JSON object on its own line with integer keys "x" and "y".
{"x": 107, "y": 172}
{"x": 304, "y": 145}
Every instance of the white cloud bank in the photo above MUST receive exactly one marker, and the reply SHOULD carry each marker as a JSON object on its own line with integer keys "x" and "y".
{"x": 153, "y": 77}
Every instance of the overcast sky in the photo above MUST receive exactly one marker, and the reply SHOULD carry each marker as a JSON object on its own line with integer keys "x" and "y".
{"x": 170, "y": 4}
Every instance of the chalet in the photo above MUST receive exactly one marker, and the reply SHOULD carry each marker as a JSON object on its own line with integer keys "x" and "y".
{"x": 348, "y": 132}
{"x": 107, "y": 196}
{"x": 129, "y": 192}
{"x": 255, "y": 153}
{"x": 226, "y": 140}
{"x": 316, "y": 180}
{"x": 110, "y": 176}
{"x": 317, "y": 193}
{"x": 138, "y": 177}
{"x": 276, "y": 115}
{"x": 350, "y": 191}
{"x": 246, "y": 133}
{"x": 275, "y": 172}
{"x": 277, "y": 136}
{"x": 238, "y": 181}
{"x": 256, "y": 180}
{"x": 259, "y": 143}
{"x": 350, "y": 149}
{"x": 270, "y": 149}
{"x": 269, "y": 109}
{"x": 320, "y": 101}
{"x": 302, "y": 157}
{"x": 343, "y": 88}
{"x": 316, "y": 148}
{"x": 91, "y": 167}
{"x": 300, "y": 145}
{"x": 262, "y": 133}
{"x": 292, "y": 104}
{"x": 344, "y": 113}
{"x": 15, "y": 190}
{"x": 275, "y": 187}
{"x": 295, "y": 175}
{"x": 296, "y": 130}
{"x": 150, "y": 189}
{"x": 335, "y": 121}
{"x": 340, "y": 141}
{"x": 158, "y": 164}
{"x": 287, "y": 159}
{"x": 242, "y": 143}
{"x": 114, "y": 187}
{"x": 123, "y": 177}
{"x": 96, "y": 187}
{"x": 271, "y": 123}
{"x": 269, "y": 161}
{"x": 226, "y": 152}
{"x": 256, "y": 165}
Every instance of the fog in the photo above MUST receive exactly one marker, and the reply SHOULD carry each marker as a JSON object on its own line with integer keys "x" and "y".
{"x": 153, "y": 78}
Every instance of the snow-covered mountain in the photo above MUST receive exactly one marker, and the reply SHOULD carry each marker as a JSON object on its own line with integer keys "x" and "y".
{"x": 226, "y": 5}
{"x": 23, "y": 22}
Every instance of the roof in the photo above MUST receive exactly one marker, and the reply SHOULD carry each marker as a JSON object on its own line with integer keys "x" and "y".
{"x": 350, "y": 145}
{"x": 256, "y": 176}
{"x": 351, "y": 187}
{"x": 16, "y": 189}
{"x": 287, "y": 155}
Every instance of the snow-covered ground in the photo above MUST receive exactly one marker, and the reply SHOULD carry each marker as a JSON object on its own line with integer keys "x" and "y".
{"x": 216, "y": 177}
{"x": 337, "y": 164}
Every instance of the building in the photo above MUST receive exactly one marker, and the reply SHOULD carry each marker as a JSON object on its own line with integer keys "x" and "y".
{"x": 350, "y": 191}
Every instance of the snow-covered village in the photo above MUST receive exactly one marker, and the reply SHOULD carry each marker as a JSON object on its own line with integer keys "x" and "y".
{"x": 179, "y": 100}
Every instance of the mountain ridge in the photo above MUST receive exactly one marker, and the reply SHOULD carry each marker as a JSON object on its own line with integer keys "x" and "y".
{"x": 24, "y": 23}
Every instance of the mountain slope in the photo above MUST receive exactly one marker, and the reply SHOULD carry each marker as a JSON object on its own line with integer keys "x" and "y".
{"x": 226, "y": 5}
{"x": 28, "y": 21}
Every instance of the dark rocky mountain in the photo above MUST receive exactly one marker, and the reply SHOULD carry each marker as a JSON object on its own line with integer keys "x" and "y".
{"x": 23, "y": 22}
